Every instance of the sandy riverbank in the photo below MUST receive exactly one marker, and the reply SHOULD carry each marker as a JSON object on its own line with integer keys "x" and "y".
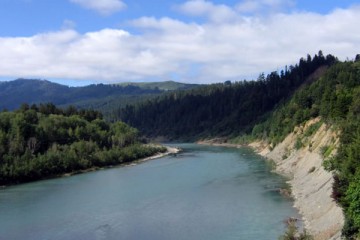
{"x": 169, "y": 151}
{"x": 311, "y": 184}
{"x": 218, "y": 143}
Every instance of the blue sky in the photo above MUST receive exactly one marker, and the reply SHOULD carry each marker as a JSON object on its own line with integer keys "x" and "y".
{"x": 77, "y": 42}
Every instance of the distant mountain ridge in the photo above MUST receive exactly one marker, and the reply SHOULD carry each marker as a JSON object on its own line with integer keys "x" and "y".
{"x": 14, "y": 93}
{"x": 165, "y": 86}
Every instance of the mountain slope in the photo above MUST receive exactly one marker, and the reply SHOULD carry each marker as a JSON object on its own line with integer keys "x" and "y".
{"x": 14, "y": 93}
{"x": 311, "y": 184}
{"x": 165, "y": 86}
{"x": 335, "y": 99}
{"x": 220, "y": 109}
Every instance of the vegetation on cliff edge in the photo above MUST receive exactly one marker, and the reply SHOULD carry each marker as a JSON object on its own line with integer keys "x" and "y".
{"x": 220, "y": 109}
{"x": 335, "y": 97}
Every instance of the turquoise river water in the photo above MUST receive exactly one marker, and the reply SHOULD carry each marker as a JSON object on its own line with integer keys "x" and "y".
{"x": 203, "y": 193}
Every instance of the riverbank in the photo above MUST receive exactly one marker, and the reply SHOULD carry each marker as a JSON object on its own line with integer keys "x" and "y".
{"x": 169, "y": 151}
{"x": 311, "y": 184}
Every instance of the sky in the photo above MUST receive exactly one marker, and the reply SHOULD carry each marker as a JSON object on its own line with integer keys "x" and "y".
{"x": 79, "y": 42}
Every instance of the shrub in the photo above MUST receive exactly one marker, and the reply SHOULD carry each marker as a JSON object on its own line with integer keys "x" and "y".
{"x": 298, "y": 144}
{"x": 292, "y": 233}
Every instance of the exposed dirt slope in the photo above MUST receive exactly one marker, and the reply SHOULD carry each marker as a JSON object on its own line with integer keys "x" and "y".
{"x": 300, "y": 157}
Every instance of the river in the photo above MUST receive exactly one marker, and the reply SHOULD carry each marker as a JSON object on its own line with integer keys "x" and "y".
{"x": 203, "y": 193}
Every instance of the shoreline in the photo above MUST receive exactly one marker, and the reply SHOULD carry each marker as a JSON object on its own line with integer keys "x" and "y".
{"x": 169, "y": 151}
{"x": 214, "y": 142}
{"x": 311, "y": 184}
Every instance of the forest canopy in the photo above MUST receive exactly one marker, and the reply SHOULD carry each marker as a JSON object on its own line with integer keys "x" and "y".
{"x": 40, "y": 141}
{"x": 220, "y": 109}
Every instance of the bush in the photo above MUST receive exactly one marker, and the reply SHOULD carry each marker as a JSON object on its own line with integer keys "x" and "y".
{"x": 326, "y": 151}
{"x": 298, "y": 144}
{"x": 312, "y": 129}
{"x": 292, "y": 233}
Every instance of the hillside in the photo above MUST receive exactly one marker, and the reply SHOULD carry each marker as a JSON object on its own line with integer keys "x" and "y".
{"x": 97, "y": 96}
{"x": 220, "y": 109}
{"x": 14, "y": 93}
{"x": 335, "y": 99}
{"x": 164, "y": 86}
{"x": 311, "y": 184}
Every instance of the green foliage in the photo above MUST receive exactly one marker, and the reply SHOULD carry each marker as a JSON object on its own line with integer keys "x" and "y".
{"x": 298, "y": 144}
{"x": 292, "y": 233}
{"x": 44, "y": 141}
{"x": 224, "y": 109}
{"x": 104, "y": 98}
{"x": 352, "y": 197}
{"x": 165, "y": 86}
{"x": 326, "y": 150}
{"x": 312, "y": 129}
{"x": 335, "y": 98}
{"x": 100, "y": 97}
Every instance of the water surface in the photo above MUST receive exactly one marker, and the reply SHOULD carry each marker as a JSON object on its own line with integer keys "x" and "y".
{"x": 207, "y": 193}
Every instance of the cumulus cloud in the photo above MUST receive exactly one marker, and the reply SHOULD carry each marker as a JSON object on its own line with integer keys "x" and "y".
{"x": 251, "y": 6}
{"x": 193, "y": 52}
{"x": 216, "y": 13}
{"x": 104, "y": 7}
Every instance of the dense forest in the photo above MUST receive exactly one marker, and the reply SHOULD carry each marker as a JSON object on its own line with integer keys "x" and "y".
{"x": 100, "y": 97}
{"x": 335, "y": 97}
{"x": 41, "y": 141}
{"x": 220, "y": 109}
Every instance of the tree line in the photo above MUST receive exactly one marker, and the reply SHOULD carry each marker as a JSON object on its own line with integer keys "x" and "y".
{"x": 219, "y": 109}
{"x": 41, "y": 141}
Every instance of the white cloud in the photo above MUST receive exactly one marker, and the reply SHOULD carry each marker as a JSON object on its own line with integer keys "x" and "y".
{"x": 208, "y": 52}
{"x": 216, "y": 13}
{"x": 104, "y": 7}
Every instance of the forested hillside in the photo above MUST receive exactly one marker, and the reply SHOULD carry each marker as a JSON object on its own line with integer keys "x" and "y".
{"x": 164, "y": 86}
{"x": 220, "y": 109}
{"x": 335, "y": 97}
{"x": 100, "y": 97}
{"x": 42, "y": 141}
